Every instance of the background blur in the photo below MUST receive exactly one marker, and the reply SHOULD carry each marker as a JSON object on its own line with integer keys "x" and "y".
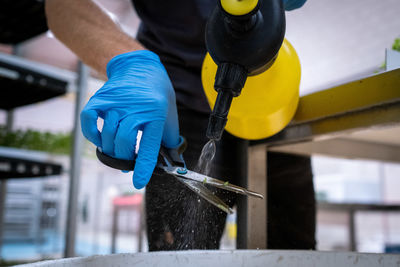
{"x": 337, "y": 41}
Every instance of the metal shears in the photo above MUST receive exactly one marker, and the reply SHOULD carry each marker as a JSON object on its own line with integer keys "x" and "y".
{"x": 171, "y": 161}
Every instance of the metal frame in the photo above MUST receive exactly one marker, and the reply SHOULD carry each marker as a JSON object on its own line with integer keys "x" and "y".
{"x": 3, "y": 185}
{"x": 40, "y": 68}
{"x": 348, "y": 148}
{"x": 75, "y": 159}
{"x": 252, "y": 212}
{"x": 363, "y": 104}
{"x": 3, "y": 193}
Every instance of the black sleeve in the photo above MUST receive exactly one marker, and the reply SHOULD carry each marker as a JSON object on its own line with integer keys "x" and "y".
{"x": 21, "y": 20}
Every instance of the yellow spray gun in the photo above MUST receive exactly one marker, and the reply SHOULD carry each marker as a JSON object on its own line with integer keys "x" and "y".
{"x": 245, "y": 41}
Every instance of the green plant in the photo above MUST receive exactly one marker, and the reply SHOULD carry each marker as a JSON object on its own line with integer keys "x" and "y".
{"x": 396, "y": 47}
{"x": 59, "y": 143}
{"x": 396, "y": 44}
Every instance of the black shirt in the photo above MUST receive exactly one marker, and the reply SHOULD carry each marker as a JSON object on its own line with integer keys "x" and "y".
{"x": 174, "y": 29}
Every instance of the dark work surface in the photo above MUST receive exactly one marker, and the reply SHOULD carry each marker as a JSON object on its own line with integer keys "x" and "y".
{"x": 20, "y": 86}
{"x": 21, "y": 20}
{"x": 13, "y": 167}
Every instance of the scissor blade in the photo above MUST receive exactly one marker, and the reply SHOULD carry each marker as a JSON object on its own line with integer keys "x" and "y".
{"x": 203, "y": 192}
{"x": 198, "y": 177}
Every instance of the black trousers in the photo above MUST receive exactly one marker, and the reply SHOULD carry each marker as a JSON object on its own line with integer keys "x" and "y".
{"x": 177, "y": 219}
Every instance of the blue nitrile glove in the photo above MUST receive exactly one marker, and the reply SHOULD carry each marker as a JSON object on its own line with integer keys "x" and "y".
{"x": 137, "y": 96}
{"x": 293, "y": 4}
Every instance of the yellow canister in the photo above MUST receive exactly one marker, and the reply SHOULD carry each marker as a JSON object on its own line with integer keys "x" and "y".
{"x": 268, "y": 101}
{"x": 238, "y": 7}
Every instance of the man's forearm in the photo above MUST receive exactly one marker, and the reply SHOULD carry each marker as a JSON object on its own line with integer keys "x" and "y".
{"x": 88, "y": 31}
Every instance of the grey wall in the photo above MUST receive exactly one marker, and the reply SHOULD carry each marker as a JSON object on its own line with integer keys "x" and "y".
{"x": 338, "y": 40}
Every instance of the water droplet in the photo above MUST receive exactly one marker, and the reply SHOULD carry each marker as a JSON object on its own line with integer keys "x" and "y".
{"x": 206, "y": 156}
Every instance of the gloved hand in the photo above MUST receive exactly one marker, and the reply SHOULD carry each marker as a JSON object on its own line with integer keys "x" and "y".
{"x": 137, "y": 96}
{"x": 293, "y": 4}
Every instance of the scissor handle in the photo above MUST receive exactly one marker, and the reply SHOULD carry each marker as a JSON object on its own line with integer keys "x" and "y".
{"x": 119, "y": 164}
{"x": 169, "y": 156}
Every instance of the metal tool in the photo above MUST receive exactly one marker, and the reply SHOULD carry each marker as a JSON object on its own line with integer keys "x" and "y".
{"x": 171, "y": 161}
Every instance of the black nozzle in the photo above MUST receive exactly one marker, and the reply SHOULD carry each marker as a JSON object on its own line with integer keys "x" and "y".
{"x": 229, "y": 81}
{"x": 218, "y": 117}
